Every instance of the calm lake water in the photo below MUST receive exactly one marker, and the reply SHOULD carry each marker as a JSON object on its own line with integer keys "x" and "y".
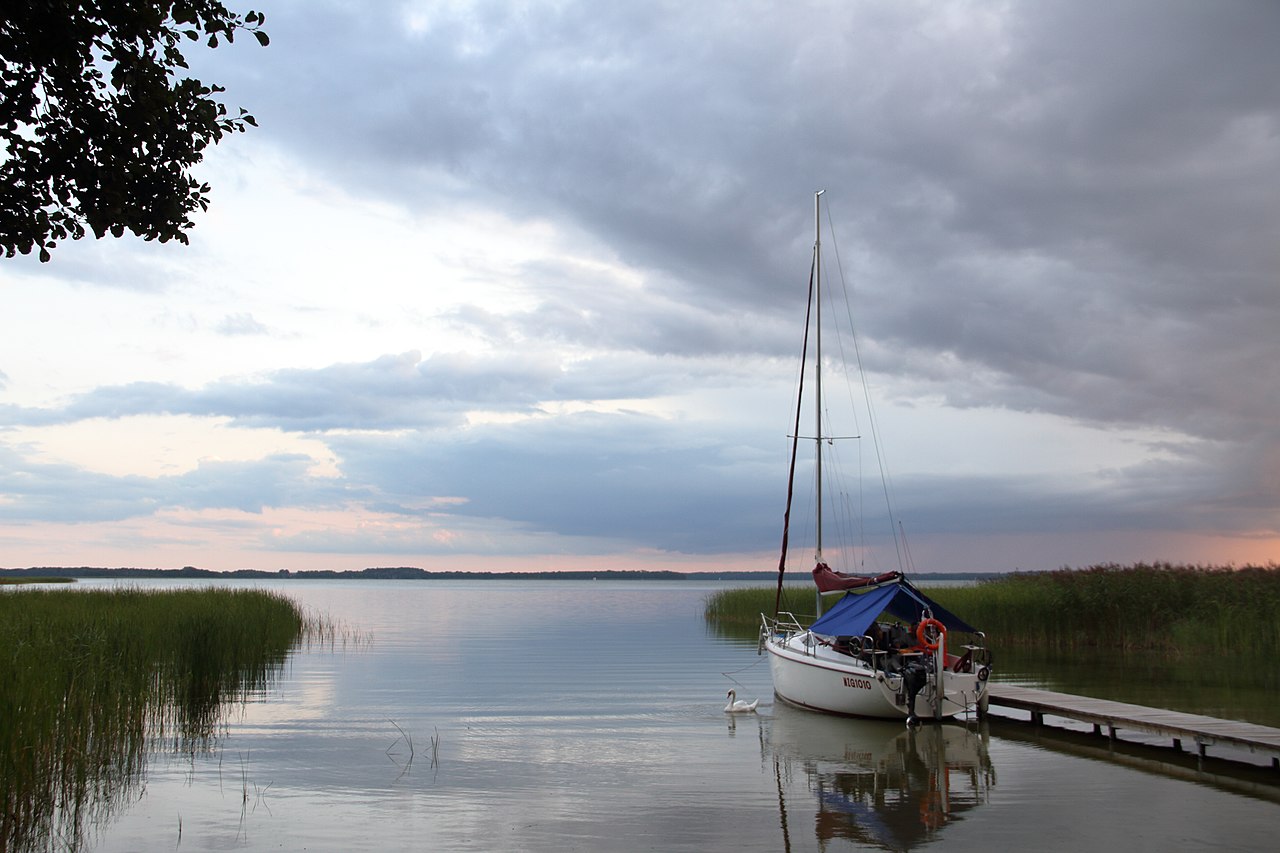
{"x": 566, "y": 715}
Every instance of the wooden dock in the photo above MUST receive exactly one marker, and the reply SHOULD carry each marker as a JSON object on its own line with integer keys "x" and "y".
{"x": 1113, "y": 716}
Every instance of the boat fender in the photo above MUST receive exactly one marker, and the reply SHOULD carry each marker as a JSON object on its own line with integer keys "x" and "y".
{"x": 922, "y": 633}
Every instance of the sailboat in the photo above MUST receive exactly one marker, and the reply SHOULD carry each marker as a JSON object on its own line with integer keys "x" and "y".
{"x": 885, "y": 649}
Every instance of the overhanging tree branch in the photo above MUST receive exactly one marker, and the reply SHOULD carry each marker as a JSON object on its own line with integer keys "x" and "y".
{"x": 98, "y": 130}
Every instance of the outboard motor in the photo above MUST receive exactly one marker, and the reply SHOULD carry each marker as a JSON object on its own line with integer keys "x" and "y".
{"x": 914, "y": 677}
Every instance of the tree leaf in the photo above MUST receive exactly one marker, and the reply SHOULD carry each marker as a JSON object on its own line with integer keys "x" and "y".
{"x": 108, "y": 143}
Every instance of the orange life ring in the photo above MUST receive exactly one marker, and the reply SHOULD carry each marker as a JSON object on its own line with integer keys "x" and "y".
{"x": 924, "y": 639}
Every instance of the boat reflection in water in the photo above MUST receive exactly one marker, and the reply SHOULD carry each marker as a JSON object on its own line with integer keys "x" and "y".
{"x": 876, "y": 783}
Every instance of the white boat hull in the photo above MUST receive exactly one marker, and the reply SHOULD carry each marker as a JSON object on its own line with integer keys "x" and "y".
{"x": 814, "y": 676}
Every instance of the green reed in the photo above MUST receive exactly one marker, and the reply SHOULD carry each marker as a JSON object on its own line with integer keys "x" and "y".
{"x": 1169, "y": 608}
{"x": 736, "y": 612}
{"x": 90, "y": 681}
{"x": 1163, "y": 607}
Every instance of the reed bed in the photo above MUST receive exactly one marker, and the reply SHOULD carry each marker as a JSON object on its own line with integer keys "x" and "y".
{"x": 90, "y": 681}
{"x": 1174, "y": 609}
{"x": 742, "y": 607}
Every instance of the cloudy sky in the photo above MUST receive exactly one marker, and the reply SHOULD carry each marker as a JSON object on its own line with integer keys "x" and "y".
{"x": 506, "y": 285}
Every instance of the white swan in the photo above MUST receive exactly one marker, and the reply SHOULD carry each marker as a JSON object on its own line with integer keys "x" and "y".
{"x": 738, "y": 706}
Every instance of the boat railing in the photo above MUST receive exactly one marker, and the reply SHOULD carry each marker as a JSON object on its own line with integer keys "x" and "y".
{"x": 790, "y": 624}
{"x": 784, "y": 624}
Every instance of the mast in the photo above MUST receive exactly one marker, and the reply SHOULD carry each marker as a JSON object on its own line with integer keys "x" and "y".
{"x": 817, "y": 363}
{"x": 817, "y": 377}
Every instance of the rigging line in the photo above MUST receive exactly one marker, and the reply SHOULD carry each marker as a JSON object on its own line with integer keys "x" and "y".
{"x": 911, "y": 565}
{"x": 791, "y": 475}
{"x": 862, "y": 511}
{"x": 839, "y": 505}
{"x": 839, "y": 495}
{"x": 848, "y": 518}
{"x": 866, "y": 391}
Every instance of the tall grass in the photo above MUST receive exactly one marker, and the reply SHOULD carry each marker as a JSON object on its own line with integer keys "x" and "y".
{"x": 729, "y": 608}
{"x": 1169, "y": 608}
{"x": 91, "y": 680}
{"x": 1163, "y": 607}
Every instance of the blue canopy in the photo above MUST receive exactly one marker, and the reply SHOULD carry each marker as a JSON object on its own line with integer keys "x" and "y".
{"x": 852, "y": 615}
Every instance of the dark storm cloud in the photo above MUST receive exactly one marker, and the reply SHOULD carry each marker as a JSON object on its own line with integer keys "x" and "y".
{"x": 1073, "y": 200}
{"x": 393, "y": 392}
{"x": 1055, "y": 207}
{"x": 623, "y": 477}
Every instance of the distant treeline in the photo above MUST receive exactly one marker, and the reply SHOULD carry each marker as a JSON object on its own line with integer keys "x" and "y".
{"x": 11, "y": 580}
{"x": 414, "y": 573}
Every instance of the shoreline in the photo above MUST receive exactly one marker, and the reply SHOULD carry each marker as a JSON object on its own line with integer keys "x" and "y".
{"x": 415, "y": 573}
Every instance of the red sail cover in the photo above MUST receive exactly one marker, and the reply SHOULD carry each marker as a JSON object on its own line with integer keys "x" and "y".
{"x": 829, "y": 580}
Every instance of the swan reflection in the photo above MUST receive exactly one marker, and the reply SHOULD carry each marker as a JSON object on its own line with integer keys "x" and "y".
{"x": 874, "y": 782}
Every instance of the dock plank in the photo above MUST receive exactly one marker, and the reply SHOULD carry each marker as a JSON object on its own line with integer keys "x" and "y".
{"x": 1176, "y": 725}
